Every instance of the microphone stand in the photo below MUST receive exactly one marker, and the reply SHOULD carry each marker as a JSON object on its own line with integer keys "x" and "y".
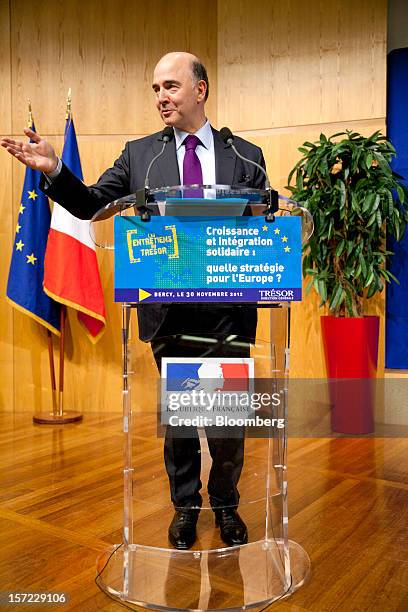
{"x": 273, "y": 196}
{"x": 143, "y": 195}
{"x": 273, "y": 205}
{"x": 142, "y": 200}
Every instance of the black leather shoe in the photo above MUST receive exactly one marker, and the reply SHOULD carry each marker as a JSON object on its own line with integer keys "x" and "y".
{"x": 182, "y": 529}
{"x": 232, "y": 528}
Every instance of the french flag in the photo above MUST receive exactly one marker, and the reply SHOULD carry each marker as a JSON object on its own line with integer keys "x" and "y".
{"x": 71, "y": 273}
{"x": 225, "y": 374}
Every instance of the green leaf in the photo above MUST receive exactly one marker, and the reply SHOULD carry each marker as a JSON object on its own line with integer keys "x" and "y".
{"x": 309, "y": 286}
{"x": 322, "y": 290}
{"x": 330, "y": 231}
{"x": 337, "y": 298}
{"x": 368, "y": 160}
{"x": 349, "y": 303}
{"x": 363, "y": 265}
{"x": 374, "y": 136}
{"x": 371, "y": 219}
{"x": 384, "y": 165}
{"x": 389, "y": 276}
{"x": 337, "y": 134}
{"x": 369, "y": 279}
{"x": 372, "y": 290}
{"x": 342, "y": 188}
{"x": 291, "y": 173}
{"x": 340, "y": 247}
{"x": 401, "y": 195}
{"x": 368, "y": 202}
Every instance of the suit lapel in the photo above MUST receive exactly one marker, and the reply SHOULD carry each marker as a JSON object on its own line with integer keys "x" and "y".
{"x": 165, "y": 172}
{"x": 225, "y": 160}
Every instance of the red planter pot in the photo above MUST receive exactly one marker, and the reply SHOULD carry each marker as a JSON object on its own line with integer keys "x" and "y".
{"x": 351, "y": 352}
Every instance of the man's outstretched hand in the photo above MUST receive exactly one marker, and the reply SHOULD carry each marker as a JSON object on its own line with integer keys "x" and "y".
{"x": 38, "y": 155}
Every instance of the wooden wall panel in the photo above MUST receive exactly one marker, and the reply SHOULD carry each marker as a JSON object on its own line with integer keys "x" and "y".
{"x": 271, "y": 65}
{"x": 6, "y": 312}
{"x": 6, "y": 214}
{"x": 300, "y": 62}
{"x": 5, "y": 74}
{"x": 106, "y": 51}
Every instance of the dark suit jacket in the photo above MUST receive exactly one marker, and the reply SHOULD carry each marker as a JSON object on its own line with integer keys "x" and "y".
{"x": 127, "y": 175}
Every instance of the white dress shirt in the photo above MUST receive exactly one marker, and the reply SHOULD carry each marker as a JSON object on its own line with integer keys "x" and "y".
{"x": 205, "y": 152}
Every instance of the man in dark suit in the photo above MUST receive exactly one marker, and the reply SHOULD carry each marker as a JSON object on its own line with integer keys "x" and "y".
{"x": 180, "y": 83}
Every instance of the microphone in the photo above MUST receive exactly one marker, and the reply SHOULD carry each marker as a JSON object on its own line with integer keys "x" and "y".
{"x": 167, "y": 136}
{"x": 228, "y": 137}
{"x": 142, "y": 195}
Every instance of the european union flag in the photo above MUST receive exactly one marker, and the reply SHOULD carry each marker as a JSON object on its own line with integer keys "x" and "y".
{"x": 26, "y": 275}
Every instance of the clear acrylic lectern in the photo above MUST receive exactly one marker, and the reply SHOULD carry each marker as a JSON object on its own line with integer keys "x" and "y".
{"x": 143, "y": 569}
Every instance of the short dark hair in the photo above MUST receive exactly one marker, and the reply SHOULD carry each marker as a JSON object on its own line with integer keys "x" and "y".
{"x": 200, "y": 74}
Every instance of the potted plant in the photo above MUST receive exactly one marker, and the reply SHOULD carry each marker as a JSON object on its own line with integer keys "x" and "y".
{"x": 348, "y": 185}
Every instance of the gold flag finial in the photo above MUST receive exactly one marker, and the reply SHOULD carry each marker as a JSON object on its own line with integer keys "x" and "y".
{"x": 69, "y": 100}
{"x": 30, "y": 121}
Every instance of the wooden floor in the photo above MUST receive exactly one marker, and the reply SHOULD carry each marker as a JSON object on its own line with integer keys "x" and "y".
{"x": 61, "y": 507}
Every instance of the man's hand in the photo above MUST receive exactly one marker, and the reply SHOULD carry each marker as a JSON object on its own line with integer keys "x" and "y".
{"x": 38, "y": 155}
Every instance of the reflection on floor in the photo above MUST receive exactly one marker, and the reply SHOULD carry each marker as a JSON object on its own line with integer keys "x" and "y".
{"x": 61, "y": 497}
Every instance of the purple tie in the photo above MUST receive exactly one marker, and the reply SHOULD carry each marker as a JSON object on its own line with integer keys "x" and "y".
{"x": 192, "y": 173}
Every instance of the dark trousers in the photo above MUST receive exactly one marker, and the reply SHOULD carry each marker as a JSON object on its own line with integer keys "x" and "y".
{"x": 182, "y": 451}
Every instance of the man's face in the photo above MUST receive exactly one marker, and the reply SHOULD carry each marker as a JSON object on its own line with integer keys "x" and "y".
{"x": 179, "y": 99}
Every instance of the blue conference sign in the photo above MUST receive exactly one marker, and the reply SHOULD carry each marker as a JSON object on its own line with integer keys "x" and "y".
{"x": 207, "y": 259}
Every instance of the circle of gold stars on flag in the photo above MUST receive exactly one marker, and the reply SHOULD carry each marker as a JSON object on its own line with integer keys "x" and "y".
{"x": 31, "y": 258}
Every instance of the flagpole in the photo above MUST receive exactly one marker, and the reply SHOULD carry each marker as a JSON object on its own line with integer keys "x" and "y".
{"x": 61, "y": 363}
{"x": 69, "y": 103}
{"x": 30, "y": 123}
{"x": 58, "y": 416}
{"x": 30, "y": 115}
{"x": 52, "y": 373}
